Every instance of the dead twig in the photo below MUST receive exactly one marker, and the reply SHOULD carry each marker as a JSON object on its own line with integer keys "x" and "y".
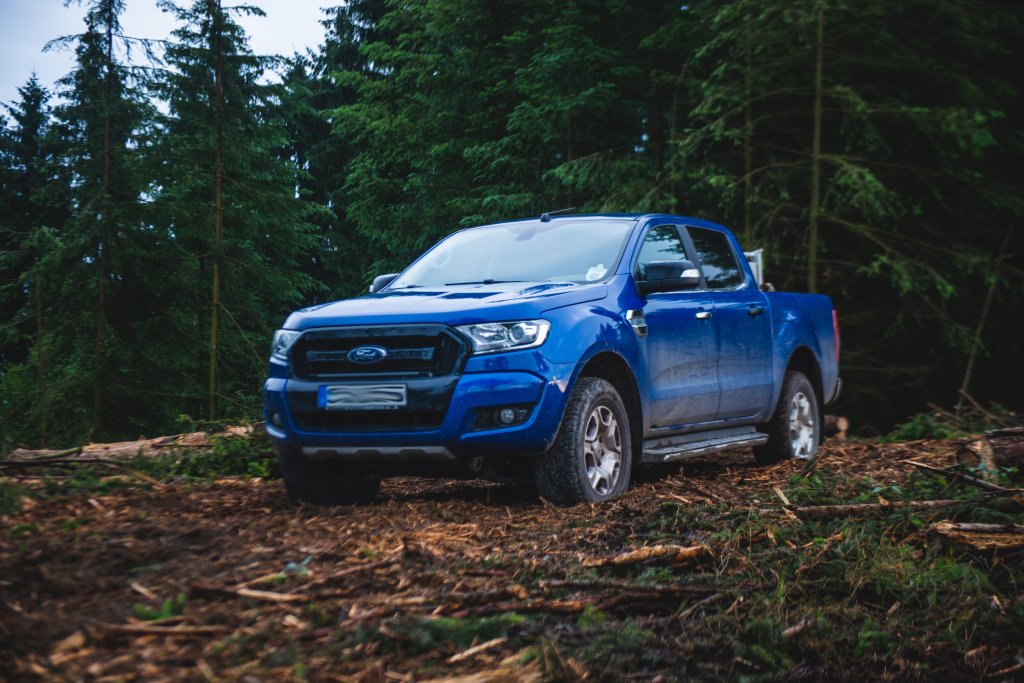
{"x": 202, "y": 588}
{"x": 476, "y": 649}
{"x": 347, "y": 571}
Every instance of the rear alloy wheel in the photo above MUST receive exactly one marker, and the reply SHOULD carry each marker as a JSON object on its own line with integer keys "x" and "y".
{"x": 794, "y": 431}
{"x": 592, "y": 456}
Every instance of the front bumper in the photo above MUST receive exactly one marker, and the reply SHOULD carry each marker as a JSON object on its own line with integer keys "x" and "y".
{"x": 522, "y": 379}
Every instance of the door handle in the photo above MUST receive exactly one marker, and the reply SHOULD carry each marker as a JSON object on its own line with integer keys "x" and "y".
{"x": 755, "y": 309}
{"x": 703, "y": 315}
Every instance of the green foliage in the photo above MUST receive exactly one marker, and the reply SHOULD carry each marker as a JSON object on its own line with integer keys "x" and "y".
{"x": 123, "y": 257}
{"x": 458, "y": 634}
{"x": 171, "y": 607}
{"x": 923, "y": 426}
{"x": 249, "y": 456}
{"x": 10, "y": 497}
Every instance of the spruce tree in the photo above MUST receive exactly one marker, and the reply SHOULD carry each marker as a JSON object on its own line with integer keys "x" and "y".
{"x": 229, "y": 199}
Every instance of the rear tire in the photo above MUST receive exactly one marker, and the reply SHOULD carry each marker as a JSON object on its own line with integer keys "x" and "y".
{"x": 325, "y": 482}
{"x": 794, "y": 430}
{"x": 592, "y": 457}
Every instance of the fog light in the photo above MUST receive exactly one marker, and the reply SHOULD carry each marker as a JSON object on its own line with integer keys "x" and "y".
{"x": 276, "y": 419}
{"x": 506, "y": 416}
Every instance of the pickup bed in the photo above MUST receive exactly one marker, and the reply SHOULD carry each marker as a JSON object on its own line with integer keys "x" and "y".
{"x": 566, "y": 349}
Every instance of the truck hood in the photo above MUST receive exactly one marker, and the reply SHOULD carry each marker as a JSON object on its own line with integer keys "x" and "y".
{"x": 452, "y": 305}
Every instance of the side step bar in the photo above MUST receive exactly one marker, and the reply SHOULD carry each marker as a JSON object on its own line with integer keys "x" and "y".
{"x": 672, "y": 448}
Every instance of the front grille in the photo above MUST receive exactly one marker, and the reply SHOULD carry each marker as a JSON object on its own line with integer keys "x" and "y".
{"x": 355, "y": 421}
{"x": 409, "y": 351}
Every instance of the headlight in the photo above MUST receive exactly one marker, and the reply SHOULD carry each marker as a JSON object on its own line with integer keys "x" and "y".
{"x": 491, "y": 337}
{"x": 283, "y": 340}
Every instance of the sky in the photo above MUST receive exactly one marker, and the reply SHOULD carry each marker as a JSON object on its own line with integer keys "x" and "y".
{"x": 27, "y": 25}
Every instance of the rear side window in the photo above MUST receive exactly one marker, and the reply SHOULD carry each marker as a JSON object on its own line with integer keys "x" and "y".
{"x": 717, "y": 260}
{"x": 661, "y": 244}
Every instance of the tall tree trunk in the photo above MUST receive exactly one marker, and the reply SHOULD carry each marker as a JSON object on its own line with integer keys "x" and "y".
{"x": 986, "y": 307}
{"x": 101, "y": 302}
{"x": 812, "y": 233}
{"x": 748, "y": 143}
{"x": 40, "y": 359}
{"x": 218, "y": 223}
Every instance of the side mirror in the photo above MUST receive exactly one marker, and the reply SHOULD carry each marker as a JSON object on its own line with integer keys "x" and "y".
{"x": 669, "y": 276}
{"x": 382, "y": 281}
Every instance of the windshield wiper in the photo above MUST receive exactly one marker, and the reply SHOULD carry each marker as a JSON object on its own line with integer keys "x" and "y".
{"x": 488, "y": 281}
{"x": 406, "y": 287}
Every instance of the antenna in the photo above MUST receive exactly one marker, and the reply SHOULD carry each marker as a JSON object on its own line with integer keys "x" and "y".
{"x": 546, "y": 216}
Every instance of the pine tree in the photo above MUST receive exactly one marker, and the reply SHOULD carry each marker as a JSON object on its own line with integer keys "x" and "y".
{"x": 103, "y": 114}
{"x": 36, "y": 206}
{"x": 228, "y": 198}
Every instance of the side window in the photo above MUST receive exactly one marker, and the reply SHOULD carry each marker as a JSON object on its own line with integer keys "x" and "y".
{"x": 661, "y": 244}
{"x": 717, "y": 260}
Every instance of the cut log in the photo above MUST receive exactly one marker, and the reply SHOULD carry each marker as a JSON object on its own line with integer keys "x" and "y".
{"x": 999, "y": 452}
{"x": 981, "y": 536}
{"x": 837, "y": 426}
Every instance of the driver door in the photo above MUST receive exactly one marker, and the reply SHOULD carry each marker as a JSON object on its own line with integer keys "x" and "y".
{"x": 681, "y": 341}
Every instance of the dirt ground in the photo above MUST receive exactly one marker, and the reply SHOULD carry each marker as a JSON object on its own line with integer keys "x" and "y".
{"x": 460, "y": 581}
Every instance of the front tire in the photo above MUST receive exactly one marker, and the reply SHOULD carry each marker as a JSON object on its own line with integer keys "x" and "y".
{"x": 325, "y": 482}
{"x": 794, "y": 430}
{"x": 591, "y": 460}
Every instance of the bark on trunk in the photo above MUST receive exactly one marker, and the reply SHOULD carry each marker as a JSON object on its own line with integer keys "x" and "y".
{"x": 812, "y": 233}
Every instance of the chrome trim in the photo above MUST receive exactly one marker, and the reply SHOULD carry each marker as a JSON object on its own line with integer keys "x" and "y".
{"x": 638, "y": 322}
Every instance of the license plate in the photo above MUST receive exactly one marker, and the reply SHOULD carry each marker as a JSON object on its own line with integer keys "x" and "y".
{"x": 361, "y": 396}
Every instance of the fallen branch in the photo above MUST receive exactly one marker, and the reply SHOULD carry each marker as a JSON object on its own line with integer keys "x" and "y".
{"x": 628, "y": 587}
{"x": 670, "y": 554}
{"x": 556, "y": 606}
{"x": 965, "y": 477}
{"x": 181, "y": 630}
{"x": 58, "y": 462}
{"x": 68, "y": 462}
{"x": 828, "y": 511}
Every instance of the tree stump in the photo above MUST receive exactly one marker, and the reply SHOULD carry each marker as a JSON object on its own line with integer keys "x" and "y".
{"x": 998, "y": 452}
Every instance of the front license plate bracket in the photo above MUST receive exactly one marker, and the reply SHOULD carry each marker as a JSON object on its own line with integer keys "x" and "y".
{"x": 361, "y": 396}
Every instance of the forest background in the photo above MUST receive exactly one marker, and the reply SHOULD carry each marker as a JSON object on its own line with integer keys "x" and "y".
{"x": 167, "y": 203}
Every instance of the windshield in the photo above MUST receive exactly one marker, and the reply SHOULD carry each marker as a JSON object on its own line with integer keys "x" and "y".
{"x": 563, "y": 251}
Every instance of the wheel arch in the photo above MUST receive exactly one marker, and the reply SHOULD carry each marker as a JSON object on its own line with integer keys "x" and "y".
{"x": 613, "y": 368}
{"x": 804, "y": 361}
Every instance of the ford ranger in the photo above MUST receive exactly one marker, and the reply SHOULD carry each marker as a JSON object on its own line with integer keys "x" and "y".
{"x": 566, "y": 349}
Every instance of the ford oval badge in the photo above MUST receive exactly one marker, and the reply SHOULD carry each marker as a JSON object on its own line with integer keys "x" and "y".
{"x": 364, "y": 355}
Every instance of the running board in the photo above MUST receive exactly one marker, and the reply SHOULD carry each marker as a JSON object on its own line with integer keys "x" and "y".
{"x": 672, "y": 448}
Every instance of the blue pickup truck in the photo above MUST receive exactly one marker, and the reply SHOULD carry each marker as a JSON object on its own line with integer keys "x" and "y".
{"x": 568, "y": 349}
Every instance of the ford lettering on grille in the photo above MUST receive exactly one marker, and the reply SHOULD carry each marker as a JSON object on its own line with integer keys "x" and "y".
{"x": 364, "y": 355}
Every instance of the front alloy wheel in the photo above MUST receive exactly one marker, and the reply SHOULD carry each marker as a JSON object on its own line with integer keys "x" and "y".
{"x": 602, "y": 450}
{"x": 591, "y": 459}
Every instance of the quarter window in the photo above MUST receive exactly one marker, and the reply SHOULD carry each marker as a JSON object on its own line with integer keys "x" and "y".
{"x": 717, "y": 260}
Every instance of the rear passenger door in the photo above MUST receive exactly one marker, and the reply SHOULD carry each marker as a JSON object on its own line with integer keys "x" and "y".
{"x": 741, "y": 316}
